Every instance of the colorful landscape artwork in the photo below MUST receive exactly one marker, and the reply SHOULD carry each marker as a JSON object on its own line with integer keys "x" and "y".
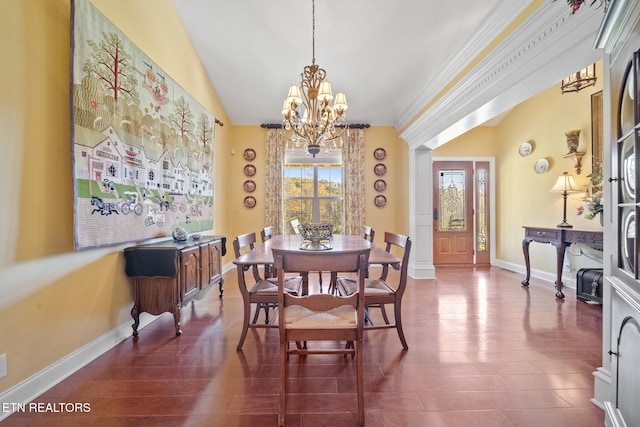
{"x": 142, "y": 147}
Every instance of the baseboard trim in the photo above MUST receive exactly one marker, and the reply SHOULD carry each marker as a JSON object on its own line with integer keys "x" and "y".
{"x": 34, "y": 386}
{"x": 568, "y": 279}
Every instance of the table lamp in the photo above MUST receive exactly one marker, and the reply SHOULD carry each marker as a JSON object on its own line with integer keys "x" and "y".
{"x": 565, "y": 185}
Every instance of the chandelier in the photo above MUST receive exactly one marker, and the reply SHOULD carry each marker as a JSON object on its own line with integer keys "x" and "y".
{"x": 310, "y": 119}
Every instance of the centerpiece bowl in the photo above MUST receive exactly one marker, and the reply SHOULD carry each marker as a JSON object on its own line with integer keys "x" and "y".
{"x": 315, "y": 233}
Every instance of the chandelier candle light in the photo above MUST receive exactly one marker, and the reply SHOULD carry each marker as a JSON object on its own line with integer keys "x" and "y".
{"x": 565, "y": 185}
{"x": 310, "y": 120}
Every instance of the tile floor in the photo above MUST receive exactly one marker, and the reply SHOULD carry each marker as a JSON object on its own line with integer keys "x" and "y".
{"x": 483, "y": 351}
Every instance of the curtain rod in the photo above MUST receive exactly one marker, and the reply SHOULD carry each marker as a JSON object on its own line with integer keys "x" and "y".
{"x": 351, "y": 126}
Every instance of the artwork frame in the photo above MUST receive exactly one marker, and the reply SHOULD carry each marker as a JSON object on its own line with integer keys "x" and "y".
{"x": 142, "y": 147}
{"x": 597, "y": 133}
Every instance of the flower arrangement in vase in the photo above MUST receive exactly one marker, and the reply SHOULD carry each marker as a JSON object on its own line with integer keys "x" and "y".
{"x": 593, "y": 197}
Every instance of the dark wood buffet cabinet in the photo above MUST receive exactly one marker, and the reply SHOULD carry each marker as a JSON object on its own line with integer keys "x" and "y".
{"x": 168, "y": 275}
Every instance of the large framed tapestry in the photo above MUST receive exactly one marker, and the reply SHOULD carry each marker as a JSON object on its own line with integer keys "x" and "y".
{"x": 142, "y": 147}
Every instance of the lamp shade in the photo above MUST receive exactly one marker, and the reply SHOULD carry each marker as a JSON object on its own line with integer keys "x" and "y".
{"x": 565, "y": 183}
{"x": 324, "y": 92}
{"x": 294, "y": 94}
{"x": 341, "y": 102}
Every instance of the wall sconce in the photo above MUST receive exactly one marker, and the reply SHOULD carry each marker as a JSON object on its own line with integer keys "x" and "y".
{"x": 573, "y": 141}
{"x": 565, "y": 185}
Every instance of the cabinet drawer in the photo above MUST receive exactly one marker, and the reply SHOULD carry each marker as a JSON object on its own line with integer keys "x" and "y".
{"x": 543, "y": 233}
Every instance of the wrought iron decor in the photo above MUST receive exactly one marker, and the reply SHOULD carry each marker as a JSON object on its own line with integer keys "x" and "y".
{"x": 142, "y": 147}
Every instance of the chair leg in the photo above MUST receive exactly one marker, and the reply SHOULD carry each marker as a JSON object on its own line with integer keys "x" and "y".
{"x": 360, "y": 381}
{"x": 333, "y": 284}
{"x": 283, "y": 382}
{"x": 367, "y": 318}
{"x": 398, "y": 317}
{"x": 257, "y": 313}
{"x": 245, "y": 325}
{"x": 384, "y": 314}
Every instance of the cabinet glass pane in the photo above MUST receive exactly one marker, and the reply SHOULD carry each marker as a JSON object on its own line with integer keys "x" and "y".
{"x": 627, "y": 240}
{"x": 626, "y": 105}
{"x": 628, "y": 171}
{"x": 451, "y": 198}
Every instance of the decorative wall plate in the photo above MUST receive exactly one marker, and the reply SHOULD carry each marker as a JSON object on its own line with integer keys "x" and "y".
{"x": 380, "y": 200}
{"x": 250, "y": 202}
{"x": 249, "y": 170}
{"x": 525, "y": 149}
{"x": 541, "y": 166}
{"x": 379, "y": 154}
{"x": 380, "y": 185}
{"x": 249, "y": 154}
{"x": 380, "y": 169}
{"x": 249, "y": 186}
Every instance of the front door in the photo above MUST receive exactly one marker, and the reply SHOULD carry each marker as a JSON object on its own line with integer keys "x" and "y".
{"x": 454, "y": 226}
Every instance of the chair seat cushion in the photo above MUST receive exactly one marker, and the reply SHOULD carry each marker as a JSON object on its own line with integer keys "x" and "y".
{"x": 297, "y": 316}
{"x": 292, "y": 285}
{"x": 348, "y": 286}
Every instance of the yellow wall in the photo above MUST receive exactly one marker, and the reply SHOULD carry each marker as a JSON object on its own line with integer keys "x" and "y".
{"x": 53, "y": 299}
{"x": 522, "y": 195}
{"x": 394, "y": 217}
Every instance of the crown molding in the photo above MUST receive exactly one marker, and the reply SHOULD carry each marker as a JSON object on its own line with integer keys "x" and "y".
{"x": 501, "y": 15}
{"x": 547, "y": 46}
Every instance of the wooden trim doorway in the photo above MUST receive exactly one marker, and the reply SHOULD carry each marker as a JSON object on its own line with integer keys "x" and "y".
{"x": 462, "y": 214}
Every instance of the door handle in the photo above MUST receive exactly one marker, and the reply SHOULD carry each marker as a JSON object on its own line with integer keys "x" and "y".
{"x": 435, "y": 214}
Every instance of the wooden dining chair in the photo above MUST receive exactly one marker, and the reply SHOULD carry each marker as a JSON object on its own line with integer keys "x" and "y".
{"x": 320, "y": 317}
{"x": 266, "y": 234}
{"x": 381, "y": 292}
{"x": 294, "y": 225}
{"x": 258, "y": 291}
{"x": 368, "y": 232}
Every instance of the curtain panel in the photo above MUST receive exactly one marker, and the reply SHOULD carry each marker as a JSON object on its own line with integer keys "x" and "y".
{"x": 353, "y": 181}
{"x": 273, "y": 213}
{"x": 352, "y": 176}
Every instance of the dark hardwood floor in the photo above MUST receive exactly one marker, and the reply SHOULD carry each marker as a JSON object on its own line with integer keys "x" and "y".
{"x": 483, "y": 351}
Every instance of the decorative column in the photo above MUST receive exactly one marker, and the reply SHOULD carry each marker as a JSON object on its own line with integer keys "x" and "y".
{"x": 421, "y": 213}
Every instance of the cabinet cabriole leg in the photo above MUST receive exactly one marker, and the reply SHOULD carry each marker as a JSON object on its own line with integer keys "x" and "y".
{"x": 136, "y": 320}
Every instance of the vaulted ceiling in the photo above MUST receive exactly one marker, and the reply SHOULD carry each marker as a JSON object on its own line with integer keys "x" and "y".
{"x": 432, "y": 69}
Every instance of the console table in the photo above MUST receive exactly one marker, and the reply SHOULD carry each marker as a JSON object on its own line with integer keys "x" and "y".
{"x": 169, "y": 274}
{"x": 561, "y": 238}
